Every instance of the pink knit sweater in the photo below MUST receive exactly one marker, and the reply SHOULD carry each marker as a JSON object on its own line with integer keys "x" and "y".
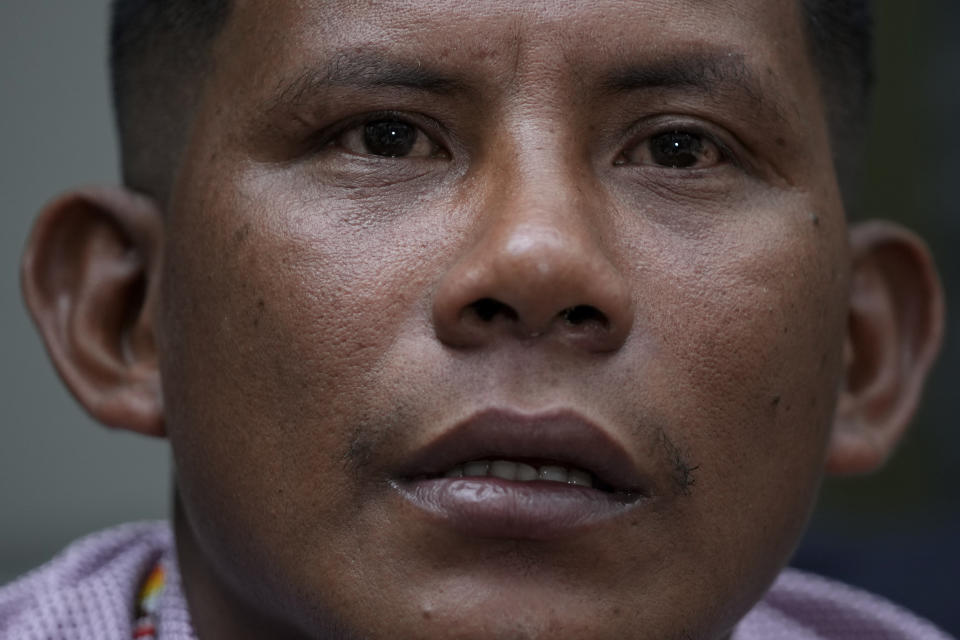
{"x": 88, "y": 592}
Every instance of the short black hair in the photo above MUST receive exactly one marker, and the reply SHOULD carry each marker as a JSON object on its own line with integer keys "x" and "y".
{"x": 159, "y": 51}
{"x": 841, "y": 42}
{"x": 160, "y": 48}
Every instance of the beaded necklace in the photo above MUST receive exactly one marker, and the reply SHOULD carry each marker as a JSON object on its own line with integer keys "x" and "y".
{"x": 145, "y": 627}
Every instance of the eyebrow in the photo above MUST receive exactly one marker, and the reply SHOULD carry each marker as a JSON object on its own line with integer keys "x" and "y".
{"x": 706, "y": 72}
{"x": 363, "y": 71}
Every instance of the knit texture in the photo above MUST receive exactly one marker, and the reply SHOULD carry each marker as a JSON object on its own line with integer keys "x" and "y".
{"x": 89, "y": 591}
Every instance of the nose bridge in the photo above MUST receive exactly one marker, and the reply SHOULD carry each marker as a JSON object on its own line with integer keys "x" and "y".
{"x": 539, "y": 205}
{"x": 537, "y": 265}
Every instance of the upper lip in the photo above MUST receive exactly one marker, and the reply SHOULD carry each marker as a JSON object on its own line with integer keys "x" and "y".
{"x": 561, "y": 436}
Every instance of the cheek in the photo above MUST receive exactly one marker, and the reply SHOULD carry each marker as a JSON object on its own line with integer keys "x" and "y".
{"x": 748, "y": 365}
{"x": 736, "y": 332}
{"x": 273, "y": 336}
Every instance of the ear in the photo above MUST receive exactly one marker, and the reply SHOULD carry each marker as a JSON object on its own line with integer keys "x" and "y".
{"x": 894, "y": 333}
{"x": 90, "y": 278}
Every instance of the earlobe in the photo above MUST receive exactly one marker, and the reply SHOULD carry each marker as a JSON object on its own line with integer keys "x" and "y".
{"x": 894, "y": 332}
{"x": 90, "y": 276}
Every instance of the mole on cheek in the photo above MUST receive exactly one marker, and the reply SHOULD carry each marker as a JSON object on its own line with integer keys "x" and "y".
{"x": 261, "y": 306}
{"x": 240, "y": 235}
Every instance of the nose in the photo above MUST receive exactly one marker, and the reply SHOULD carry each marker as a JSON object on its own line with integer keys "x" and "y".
{"x": 536, "y": 269}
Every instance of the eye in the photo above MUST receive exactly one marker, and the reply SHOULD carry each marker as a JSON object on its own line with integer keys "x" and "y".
{"x": 389, "y": 138}
{"x": 675, "y": 150}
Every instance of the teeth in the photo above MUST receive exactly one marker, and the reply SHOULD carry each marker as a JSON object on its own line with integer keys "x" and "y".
{"x": 579, "y": 478}
{"x": 476, "y": 469}
{"x": 526, "y": 473}
{"x": 503, "y": 469}
{"x": 518, "y": 471}
{"x": 554, "y": 474}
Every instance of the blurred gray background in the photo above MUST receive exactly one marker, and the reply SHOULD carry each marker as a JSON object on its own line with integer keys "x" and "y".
{"x": 61, "y": 476}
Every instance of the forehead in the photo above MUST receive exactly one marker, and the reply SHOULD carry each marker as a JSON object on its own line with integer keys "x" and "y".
{"x": 513, "y": 39}
{"x": 516, "y": 19}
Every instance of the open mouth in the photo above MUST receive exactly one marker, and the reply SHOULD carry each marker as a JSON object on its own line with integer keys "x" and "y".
{"x": 528, "y": 470}
{"x": 502, "y": 474}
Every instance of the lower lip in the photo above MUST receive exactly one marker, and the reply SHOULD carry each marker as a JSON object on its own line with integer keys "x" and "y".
{"x": 494, "y": 508}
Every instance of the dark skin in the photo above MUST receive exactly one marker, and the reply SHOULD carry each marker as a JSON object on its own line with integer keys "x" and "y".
{"x": 314, "y": 307}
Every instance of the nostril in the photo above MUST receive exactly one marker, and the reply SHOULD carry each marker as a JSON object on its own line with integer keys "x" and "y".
{"x": 488, "y": 308}
{"x": 584, "y": 314}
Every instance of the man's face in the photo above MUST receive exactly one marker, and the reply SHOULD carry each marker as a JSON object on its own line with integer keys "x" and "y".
{"x": 600, "y": 236}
